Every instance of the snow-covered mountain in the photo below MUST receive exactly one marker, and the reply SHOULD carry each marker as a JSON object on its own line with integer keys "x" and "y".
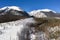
{"x": 11, "y": 13}
{"x": 43, "y": 13}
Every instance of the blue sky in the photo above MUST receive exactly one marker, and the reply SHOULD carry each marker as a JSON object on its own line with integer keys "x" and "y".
{"x": 29, "y": 5}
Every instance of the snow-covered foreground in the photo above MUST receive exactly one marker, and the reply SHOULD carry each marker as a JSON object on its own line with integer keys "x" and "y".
{"x": 15, "y": 30}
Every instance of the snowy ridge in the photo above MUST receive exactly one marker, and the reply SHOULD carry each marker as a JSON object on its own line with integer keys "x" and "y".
{"x": 3, "y": 8}
{"x": 12, "y": 7}
{"x": 15, "y": 8}
{"x": 44, "y": 10}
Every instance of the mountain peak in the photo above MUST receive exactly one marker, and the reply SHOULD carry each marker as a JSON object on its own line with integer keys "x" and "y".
{"x": 15, "y": 8}
{"x": 12, "y": 13}
{"x": 12, "y": 7}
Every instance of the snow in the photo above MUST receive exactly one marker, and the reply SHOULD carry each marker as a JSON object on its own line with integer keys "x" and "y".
{"x": 32, "y": 36}
{"x": 8, "y": 8}
{"x": 40, "y": 15}
{"x": 40, "y": 36}
{"x": 15, "y": 8}
{"x": 46, "y": 10}
{"x": 11, "y": 29}
{"x": 3, "y": 8}
{"x": 12, "y": 7}
{"x": 37, "y": 14}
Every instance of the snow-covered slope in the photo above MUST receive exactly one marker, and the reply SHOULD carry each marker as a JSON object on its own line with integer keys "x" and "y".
{"x": 15, "y": 30}
{"x": 43, "y": 13}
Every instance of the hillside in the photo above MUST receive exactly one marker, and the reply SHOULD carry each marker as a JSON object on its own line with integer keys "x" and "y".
{"x": 50, "y": 28}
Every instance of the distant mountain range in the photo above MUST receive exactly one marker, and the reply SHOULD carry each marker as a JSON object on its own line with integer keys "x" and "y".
{"x": 14, "y": 10}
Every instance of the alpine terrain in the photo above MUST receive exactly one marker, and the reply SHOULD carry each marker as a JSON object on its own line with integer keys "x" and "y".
{"x": 17, "y": 24}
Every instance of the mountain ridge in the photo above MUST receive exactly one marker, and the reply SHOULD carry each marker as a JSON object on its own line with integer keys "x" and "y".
{"x": 44, "y": 13}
